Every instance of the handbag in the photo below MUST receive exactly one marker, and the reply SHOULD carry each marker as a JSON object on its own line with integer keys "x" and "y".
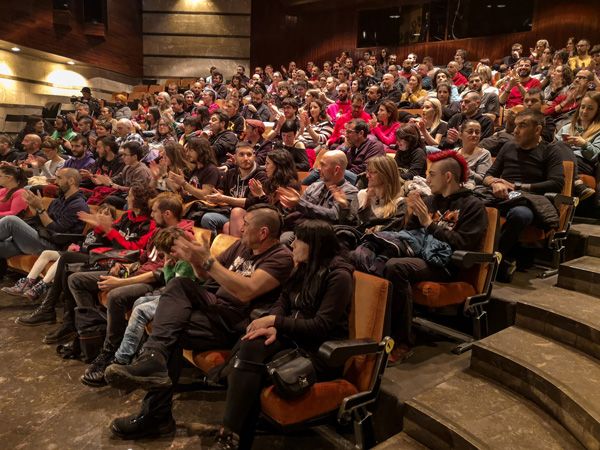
{"x": 292, "y": 374}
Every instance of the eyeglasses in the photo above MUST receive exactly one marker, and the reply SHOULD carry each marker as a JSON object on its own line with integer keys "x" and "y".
{"x": 582, "y": 77}
{"x": 582, "y": 45}
{"x": 125, "y": 154}
{"x": 350, "y": 131}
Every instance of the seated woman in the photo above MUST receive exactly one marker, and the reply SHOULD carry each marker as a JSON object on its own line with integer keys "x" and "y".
{"x": 173, "y": 159}
{"x": 313, "y": 308}
{"x": 13, "y": 181}
{"x": 295, "y": 147}
{"x": 357, "y": 86}
{"x": 381, "y": 206}
{"x": 557, "y": 83}
{"x": 449, "y": 108}
{"x": 238, "y": 84}
{"x": 31, "y": 288}
{"x": 193, "y": 127}
{"x": 431, "y": 126}
{"x": 583, "y": 135}
{"x": 33, "y": 125}
{"x": 281, "y": 173}
{"x": 50, "y": 148}
{"x": 369, "y": 77}
{"x": 478, "y": 159}
{"x": 163, "y": 102}
{"x": 144, "y": 105}
{"x": 122, "y": 111}
{"x": 165, "y": 133}
{"x": 410, "y": 157}
{"x": 385, "y": 125}
{"x": 315, "y": 126}
{"x": 148, "y": 128}
{"x": 544, "y": 63}
{"x": 107, "y": 115}
{"x": 413, "y": 90}
{"x": 204, "y": 175}
{"x": 283, "y": 91}
{"x": 487, "y": 78}
{"x": 443, "y": 76}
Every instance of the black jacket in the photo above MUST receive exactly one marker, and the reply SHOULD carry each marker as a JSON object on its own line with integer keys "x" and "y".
{"x": 222, "y": 144}
{"x": 412, "y": 164}
{"x": 456, "y": 121}
{"x": 459, "y": 219}
{"x": 234, "y": 185}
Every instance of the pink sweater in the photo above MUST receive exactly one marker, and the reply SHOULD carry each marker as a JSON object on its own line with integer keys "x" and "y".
{"x": 387, "y": 135}
{"x": 15, "y": 205}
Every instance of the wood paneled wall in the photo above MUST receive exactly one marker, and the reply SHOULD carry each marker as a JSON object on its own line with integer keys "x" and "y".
{"x": 30, "y": 24}
{"x": 322, "y": 35}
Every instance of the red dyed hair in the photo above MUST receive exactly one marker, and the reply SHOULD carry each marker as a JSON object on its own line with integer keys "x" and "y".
{"x": 438, "y": 156}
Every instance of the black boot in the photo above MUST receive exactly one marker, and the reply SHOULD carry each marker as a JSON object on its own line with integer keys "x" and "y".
{"x": 62, "y": 333}
{"x": 43, "y": 314}
{"x": 148, "y": 372}
{"x": 226, "y": 440}
{"x": 94, "y": 374}
{"x": 3, "y": 268}
{"x": 138, "y": 426}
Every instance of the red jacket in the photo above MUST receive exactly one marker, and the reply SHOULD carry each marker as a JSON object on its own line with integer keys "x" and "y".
{"x": 459, "y": 79}
{"x": 339, "y": 131}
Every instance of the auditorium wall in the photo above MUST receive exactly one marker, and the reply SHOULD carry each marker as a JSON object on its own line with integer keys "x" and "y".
{"x": 184, "y": 38}
{"x": 321, "y": 31}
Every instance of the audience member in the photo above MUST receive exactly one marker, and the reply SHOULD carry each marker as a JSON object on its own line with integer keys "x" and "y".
{"x": 410, "y": 157}
{"x": 33, "y": 125}
{"x": 478, "y": 159}
{"x": 519, "y": 81}
{"x": 385, "y": 124}
{"x": 13, "y": 181}
{"x": 469, "y": 110}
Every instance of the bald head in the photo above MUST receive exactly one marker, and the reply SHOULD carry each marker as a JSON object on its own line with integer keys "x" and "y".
{"x": 265, "y": 217}
{"x": 32, "y": 143}
{"x": 336, "y": 157}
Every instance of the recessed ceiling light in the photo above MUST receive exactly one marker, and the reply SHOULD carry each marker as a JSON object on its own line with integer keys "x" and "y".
{"x": 71, "y": 63}
{"x": 16, "y": 49}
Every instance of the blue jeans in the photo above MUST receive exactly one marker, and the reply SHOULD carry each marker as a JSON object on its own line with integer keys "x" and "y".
{"x": 517, "y": 220}
{"x": 431, "y": 149}
{"x": 144, "y": 309}
{"x": 213, "y": 222}
{"x": 17, "y": 238}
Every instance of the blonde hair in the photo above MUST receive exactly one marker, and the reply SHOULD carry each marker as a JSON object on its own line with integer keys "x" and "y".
{"x": 594, "y": 128}
{"x": 387, "y": 169}
{"x": 437, "y": 107}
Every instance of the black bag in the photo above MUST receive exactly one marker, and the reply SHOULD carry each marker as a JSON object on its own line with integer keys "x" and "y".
{"x": 292, "y": 374}
{"x": 91, "y": 331}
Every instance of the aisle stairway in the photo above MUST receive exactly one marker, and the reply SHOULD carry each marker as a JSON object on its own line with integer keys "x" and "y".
{"x": 535, "y": 385}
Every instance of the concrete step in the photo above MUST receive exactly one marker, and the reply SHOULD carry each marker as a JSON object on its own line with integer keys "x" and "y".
{"x": 581, "y": 275}
{"x": 591, "y": 233}
{"x": 400, "y": 441}
{"x": 563, "y": 315}
{"x": 559, "y": 379}
{"x": 470, "y": 411}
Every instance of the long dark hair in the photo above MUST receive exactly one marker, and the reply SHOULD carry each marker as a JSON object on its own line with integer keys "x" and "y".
{"x": 285, "y": 170}
{"x": 411, "y": 134}
{"x": 204, "y": 152}
{"x": 31, "y": 122}
{"x": 308, "y": 278}
{"x": 20, "y": 177}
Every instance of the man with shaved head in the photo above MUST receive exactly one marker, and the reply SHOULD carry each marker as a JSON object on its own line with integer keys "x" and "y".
{"x": 60, "y": 217}
{"x": 32, "y": 146}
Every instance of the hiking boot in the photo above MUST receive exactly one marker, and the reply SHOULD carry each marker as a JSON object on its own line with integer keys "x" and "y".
{"x": 506, "y": 271}
{"x": 41, "y": 315}
{"x": 582, "y": 190}
{"x": 138, "y": 426}
{"x": 36, "y": 291}
{"x": 20, "y": 287}
{"x": 148, "y": 372}
{"x": 64, "y": 332}
{"x": 399, "y": 353}
{"x": 226, "y": 440}
{"x": 94, "y": 374}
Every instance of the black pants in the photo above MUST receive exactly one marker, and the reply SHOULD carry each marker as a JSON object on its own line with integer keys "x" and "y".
{"x": 60, "y": 285}
{"x": 402, "y": 272}
{"x": 190, "y": 317}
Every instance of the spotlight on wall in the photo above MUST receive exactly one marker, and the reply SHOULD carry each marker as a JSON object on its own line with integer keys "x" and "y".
{"x": 71, "y": 63}
{"x": 16, "y": 49}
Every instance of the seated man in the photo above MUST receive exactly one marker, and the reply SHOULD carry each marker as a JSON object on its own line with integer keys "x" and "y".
{"x": 126, "y": 133}
{"x": 109, "y": 161}
{"x": 452, "y": 214}
{"x": 234, "y": 188}
{"x": 167, "y": 210}
{"x": 257, "y": 108}
{"x": 260, "y": 145}
{"x": 248, "y": 275}
{"x": 490, "y": 105}
{"x": 63, "y": 133}
{"x": 374, "y": 94}
{"x": 17, "y": 237}
{"x": 319, "y": 200}
{"x": 534, "y": 99}
{"x": 519, "y": 82}
{"x": 82, "y": 159}
{"x": 469, "y": 109}
{"x": 511, "y": 60}
{"x": 134, "y": 173}
{"x": 342, "y": 103}
{"x": 527, "y": 165}
{"x": 7, "y": 153}
{"x": 222, "y": 141}
{"x": 360, "y": 148}
{"x": 458, "y": 78}
{"x": 356, "y": 112}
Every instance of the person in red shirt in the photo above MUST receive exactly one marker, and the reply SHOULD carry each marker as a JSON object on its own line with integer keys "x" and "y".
{"x": 458, "y": 79}
{"x": 407, "y": 66}
{"x": 519, "y": 82}
{"x": 356, "y": 112}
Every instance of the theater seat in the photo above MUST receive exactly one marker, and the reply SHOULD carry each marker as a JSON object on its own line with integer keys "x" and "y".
{"x": 589, "y": 180}
{"x": 468, "y": 294}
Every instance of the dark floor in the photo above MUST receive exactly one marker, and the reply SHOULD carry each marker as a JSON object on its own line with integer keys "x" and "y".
{"x": 43, "y": 405}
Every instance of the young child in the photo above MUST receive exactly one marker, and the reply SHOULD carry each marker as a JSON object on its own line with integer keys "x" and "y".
{"x": 29, "y": 287}
{"x": 144, "y": 308}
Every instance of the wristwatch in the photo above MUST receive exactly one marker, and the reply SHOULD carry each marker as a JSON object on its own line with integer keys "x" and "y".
{"x": 111, "y": 184}
{"x": 206, "y": 265}
{"x": 518, "y": 186}
{"x": 40, "y": 211}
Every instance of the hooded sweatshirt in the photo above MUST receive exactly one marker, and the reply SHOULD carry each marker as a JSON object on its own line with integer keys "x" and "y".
{"x": 63, "y": 211}
{"x": 85, "y": 163}
{"x": 130, "y": 232}
{"x": 459, "y": 219}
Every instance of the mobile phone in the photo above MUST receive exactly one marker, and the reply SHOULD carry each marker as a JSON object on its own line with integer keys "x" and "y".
{"x": 565, "y": 136}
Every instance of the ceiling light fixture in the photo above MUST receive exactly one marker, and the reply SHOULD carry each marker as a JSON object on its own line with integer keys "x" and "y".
{"x": 16, "y": 49}
{"x": 71, "y": 63}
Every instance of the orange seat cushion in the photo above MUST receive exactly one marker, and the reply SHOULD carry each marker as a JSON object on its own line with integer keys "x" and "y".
{"x": 322, "y": 398}
{"x": 24, "y": 263}
{"x": 206, "y": 360}
{"x": 435, "y": 295}
{"x": 589, "y": 180}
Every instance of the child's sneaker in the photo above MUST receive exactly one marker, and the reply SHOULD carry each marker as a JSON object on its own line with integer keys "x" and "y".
{"x": 36, "y": 291}
{"x": 19, "y": 288}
